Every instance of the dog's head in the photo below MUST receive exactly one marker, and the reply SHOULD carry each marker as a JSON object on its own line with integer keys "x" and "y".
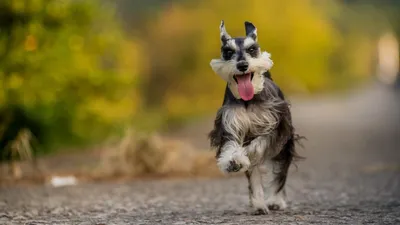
{"x": 242, "y": 63}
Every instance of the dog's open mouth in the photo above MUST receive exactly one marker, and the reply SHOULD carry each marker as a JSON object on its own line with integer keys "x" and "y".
{"x": 237, "y": 75}
{"x": 245, "y": 87}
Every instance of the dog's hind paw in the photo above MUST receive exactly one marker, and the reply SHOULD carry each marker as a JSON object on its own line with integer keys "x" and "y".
{"x": 260, "y": 211}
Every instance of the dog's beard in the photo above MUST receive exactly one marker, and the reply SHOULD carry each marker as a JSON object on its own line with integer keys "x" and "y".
{"x": 258, "y": 66}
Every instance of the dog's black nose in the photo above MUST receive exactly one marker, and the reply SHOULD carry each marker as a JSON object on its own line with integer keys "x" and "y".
{"x": 242, "y": 66}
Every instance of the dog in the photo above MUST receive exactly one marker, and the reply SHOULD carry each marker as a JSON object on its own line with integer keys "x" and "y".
{"x": 253, "y": 131}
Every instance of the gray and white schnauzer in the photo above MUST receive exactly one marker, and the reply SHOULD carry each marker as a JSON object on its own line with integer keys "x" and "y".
{"x": 253, "y": 131}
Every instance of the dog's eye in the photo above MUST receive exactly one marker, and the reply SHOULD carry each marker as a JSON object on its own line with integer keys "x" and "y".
{"x": 252, "y": 49}
{"x": 228, "y": 53}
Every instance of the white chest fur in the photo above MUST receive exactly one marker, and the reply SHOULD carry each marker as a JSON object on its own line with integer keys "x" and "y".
{"x": 257, "y": 120}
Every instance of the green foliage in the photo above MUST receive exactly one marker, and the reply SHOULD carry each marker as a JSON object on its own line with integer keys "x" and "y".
{"x": 68, "y": 64}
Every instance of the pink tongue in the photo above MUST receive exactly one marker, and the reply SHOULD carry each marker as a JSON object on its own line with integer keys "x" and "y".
{"x": 245, "y": 87}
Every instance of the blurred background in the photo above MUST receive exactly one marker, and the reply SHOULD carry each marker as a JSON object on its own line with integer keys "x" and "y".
{"x": 111, "y": 88}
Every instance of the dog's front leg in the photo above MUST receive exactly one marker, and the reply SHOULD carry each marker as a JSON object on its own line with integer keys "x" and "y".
{"x": 274, "y": 185}
{"x": 256, "y": 191}
{"x": 255, "y": 150}
{"x": 272, "y": 172}
{"x": 233, "y": 158}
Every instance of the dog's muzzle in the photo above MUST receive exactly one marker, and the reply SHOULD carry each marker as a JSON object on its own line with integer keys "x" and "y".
{"x": 242, "y": 66}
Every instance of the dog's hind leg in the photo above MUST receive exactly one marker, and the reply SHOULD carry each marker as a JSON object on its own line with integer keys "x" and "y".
{"x": 256, "y": 191}
{"x": 275, "y": 175}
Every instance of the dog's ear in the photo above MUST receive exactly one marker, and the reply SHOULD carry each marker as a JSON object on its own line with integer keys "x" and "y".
{"x": 223, "y": 34}
{"x": 251, "y": 30}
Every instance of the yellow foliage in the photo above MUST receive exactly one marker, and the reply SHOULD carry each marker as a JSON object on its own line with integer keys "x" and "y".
{"x": 2, "y": 94}
{"x": 70, "y": 62}
{"x": 15, "y": 81}
{"x": 18, "y": 5}
{"x": 76, "y": 42}
{"x": 299, "y": 35}
{"x": 30, "y": 43}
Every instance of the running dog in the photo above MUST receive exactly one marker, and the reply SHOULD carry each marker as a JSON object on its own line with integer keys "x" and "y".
{"x": 253, "y": 131}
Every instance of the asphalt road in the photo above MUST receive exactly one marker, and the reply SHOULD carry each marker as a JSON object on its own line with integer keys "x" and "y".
{"x": 351, "y": 176}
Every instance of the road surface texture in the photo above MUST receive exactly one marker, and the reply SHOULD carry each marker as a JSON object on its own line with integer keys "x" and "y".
{"x": 351, "y": 176}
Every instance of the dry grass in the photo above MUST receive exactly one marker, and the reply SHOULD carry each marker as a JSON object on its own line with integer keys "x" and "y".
{"x": 133, "y": 156}
{"x": 140, "y": 155}
{"x": 20, "y": 149}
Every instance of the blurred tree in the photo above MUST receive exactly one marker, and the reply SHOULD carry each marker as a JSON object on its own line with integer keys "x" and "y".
{"x": 135, "y": 14}
{"x": 372, "y": 19}
{"x": 68, "y": 65}
{"x": 375, "y": 12}
{"x": 308, "y": 50}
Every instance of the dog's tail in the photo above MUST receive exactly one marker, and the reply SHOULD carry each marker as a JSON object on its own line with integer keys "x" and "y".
{"x": 285, "y": 158}
{"x": 298, "y": 140}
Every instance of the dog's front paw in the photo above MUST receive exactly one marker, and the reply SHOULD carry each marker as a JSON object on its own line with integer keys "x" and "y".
{"x": 276, "y": 207}
{"x": 234, "y": 166}
{"x": 276, "y": 202}
{"x": 257, "y": 204}
{"x": 233, "y": 161}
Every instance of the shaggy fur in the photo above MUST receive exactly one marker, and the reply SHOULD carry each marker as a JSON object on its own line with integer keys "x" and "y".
{"x": 254, "y": 136}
